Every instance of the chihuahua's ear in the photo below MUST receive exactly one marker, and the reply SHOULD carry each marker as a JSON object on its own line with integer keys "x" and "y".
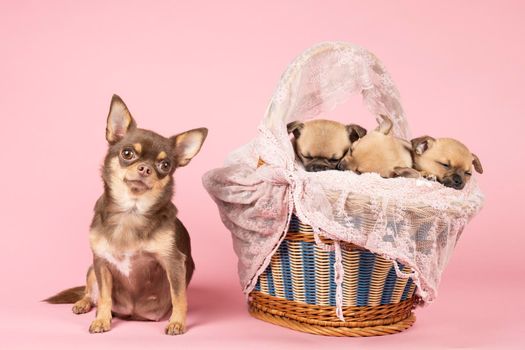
{"x": 477, "y": 164}
{"x": 406, "y": 172}
{"x": 355, "y": 132}
{"x": 188, "y": 144}
{"x": 385, "y": 126}
{"x": 295, "y": 128}
{"x": 421, "y": 144}
{"x": 119, "y": 120}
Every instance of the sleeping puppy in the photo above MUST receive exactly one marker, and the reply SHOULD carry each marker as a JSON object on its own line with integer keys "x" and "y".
{"x": 380, "y": 152}
{"x": 141, "y": 252}
{"x": 320, "y": 144}
{"x": 447, "y": 160}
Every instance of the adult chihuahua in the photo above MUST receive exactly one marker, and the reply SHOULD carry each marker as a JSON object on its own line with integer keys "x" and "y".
{"x": 142, "y": 260}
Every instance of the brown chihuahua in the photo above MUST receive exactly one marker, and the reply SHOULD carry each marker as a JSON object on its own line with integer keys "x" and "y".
{"x": 447, "y": 160}
{"x": 320, "y": 144}
{"x": 380, "y": 152}
{"x": 142, "y": 260}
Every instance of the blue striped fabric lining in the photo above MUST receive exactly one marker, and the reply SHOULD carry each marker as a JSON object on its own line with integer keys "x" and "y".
{"x": 294, "y": 224}
{"x": 333, "y": 286}
{"x": 309, "y": 272}
{"x": 366, "y": 266}
{"x": 285, "y": 267}
{"x": 365, "y": 269}
{"x": 390, "y": 282}
{"x": 407, "y": 288}
{"x": 271, "y": 289}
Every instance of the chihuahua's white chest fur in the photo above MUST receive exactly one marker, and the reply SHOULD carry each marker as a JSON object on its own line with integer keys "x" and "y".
{"x": 120, "y": 250}
{"x": 123, "y": 245}
{"x": 121, "y": 260}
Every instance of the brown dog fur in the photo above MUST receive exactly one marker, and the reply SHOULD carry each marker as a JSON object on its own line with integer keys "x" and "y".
{"x": 447, "y": 160}
{"x": 380, "y": 152}
{"x": 320, "y": 144}
{"x": 142, "y": 260}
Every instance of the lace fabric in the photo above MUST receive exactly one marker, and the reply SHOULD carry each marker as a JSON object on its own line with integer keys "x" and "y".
{"x": 414, "y": 221}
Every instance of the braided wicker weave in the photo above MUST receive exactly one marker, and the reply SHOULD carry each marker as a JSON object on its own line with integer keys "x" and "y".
{"x": 297, "y": 290}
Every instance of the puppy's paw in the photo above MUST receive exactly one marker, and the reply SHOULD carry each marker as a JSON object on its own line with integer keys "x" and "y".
{"x": 82, "y": 306}
{"x": 428, "y": 176}
{"x": 175, "y": 328}
{"x": 100, "y": 326}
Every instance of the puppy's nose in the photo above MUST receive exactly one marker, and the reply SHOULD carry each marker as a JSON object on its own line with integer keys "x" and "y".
{"x": 318, "y": 167}
{"x": 144, "y": 170}
{"x": 457, "y": 181}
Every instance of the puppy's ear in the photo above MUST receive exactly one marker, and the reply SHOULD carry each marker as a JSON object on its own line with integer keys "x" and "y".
{"x": 477, "y": 164}
{"x": 386, "y": 125}
{"x": 355, "y": 132}
{"x": 119, "y": 120}
{"x": 421, "y": 144}
{"x": 406, "y": 172}
{"x": 295, "y": 128}
{"x": 188, "y": 144}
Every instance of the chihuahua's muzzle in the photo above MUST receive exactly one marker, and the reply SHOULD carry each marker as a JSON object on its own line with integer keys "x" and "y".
{"x": 445, "y": 160}
{"x": 455, "y": 180}
{"x": 139, "y": 182}
{"x": 320, "y": 165}
{"x": 320, "y": 144}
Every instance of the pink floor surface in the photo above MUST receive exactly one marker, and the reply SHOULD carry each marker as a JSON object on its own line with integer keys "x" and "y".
{"x": 468, "y": 315}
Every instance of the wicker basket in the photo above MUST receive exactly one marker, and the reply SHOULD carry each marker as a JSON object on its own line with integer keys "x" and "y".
{"x": 415, "y": 220}
{"x": 297, "y": 290}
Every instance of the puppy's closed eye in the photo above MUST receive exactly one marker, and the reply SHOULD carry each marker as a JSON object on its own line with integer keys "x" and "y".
{"x": 444, "y": 165}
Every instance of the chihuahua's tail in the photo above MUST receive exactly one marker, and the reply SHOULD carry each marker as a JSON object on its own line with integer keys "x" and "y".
{"x": 68, "y": 296}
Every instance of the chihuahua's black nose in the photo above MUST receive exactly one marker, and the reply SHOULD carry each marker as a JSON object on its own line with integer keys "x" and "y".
{"x": 457, "y": 181}
{"x": 144, "y": 170}
{"x": 318, "y": 167}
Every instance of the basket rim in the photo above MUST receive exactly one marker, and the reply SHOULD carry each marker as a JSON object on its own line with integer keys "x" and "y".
{"x": 280, "y": 312}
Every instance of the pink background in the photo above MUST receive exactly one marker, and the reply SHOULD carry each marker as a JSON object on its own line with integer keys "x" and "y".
{"x": 459, "y": 67}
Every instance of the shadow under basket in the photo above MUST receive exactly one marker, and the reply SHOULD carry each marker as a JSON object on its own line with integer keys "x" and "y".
{"x": 297, "y": 290}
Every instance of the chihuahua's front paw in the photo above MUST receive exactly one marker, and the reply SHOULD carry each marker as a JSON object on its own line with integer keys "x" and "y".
{"x": 175, "y": 328}
{"x": 100, "y": 326}
{"x": 428, "y": 176}
{"x": 82, "y": 306}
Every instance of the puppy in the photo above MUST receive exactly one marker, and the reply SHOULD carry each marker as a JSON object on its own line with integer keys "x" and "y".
{"x": 380, "y": 152}
{"x": 142, "y": 260}
{"x": 447, "y": 160}
{"x": 320, "y": 144}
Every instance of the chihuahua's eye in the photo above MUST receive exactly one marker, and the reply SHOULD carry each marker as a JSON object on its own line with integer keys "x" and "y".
{"x": 127, "y": 153}
{"x": 164, "y": 166}
{"x": 307, "y": 157}
{"x": 444, "y": 165}
{"x": 468, "y": 173}
{"x": 334, "y": 160}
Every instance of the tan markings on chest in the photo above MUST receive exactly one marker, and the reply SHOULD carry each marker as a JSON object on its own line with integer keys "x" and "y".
{"x": 120, "y": 246}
